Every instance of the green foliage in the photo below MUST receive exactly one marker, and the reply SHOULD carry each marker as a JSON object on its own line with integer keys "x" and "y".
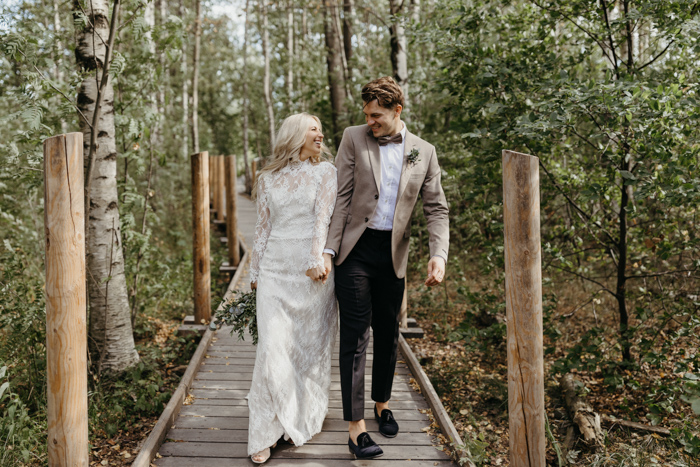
{"x": 239, "y": 312}
{"x": 23, "y": 435}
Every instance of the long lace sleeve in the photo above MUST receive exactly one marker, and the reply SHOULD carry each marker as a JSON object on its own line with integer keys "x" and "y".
{"x": 326, "y": 192}
{"x": 262, "y": 231}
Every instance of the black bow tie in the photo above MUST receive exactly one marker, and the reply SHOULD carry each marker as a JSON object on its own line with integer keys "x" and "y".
{"x": 394, "y": 139}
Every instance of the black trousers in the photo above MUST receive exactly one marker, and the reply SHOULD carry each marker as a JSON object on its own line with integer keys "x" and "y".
{"x": 369, "y": 294}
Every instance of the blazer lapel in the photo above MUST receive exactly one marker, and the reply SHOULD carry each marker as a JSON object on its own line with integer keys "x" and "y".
{"x": 405, "y": 167}
{"x": 375, "y": 160}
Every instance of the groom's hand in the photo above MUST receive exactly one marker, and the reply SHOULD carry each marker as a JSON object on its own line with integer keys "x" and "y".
{"x": 436, "y": 271}
{"x": 327, "y": 265}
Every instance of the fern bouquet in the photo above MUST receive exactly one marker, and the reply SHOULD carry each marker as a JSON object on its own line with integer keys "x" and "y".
{"x": 239, "y": 311}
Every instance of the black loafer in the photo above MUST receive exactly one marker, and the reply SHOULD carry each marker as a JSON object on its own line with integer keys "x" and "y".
{"x": 365, "y": 448}
{"x": 387, "y": 424}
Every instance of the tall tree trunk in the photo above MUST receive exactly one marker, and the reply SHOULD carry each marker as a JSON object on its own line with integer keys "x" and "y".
{"x": 110, "y": 322}
{"x": 348, "y": 25}
{"x": 246, "y": 103}
{"x": 290, "y": 54}
{"x": 399, "y": 49}
{"x": 195, "y": 78}
{"x": 266, "y": 78}
{"x": 301, "y": 74}
{"x": 334, "y": 62}
{"x": 185, "y": 91}
{"x": 58, "y": 51}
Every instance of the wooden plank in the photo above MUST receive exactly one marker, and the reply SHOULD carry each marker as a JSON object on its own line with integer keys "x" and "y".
{"x": 229, "y": 411}
{"x": 334, "y": 395}
{"x": 241, "y": 423}
{"x": 335, "y": 386}
{"x": 333, "y": 403}
{"x": 227, "y": 462}
{"x": 446, "y": 426}
{"x": 248, "y": 376}
{"x": 325, "y": 437}
{"x": 328, "y": 452}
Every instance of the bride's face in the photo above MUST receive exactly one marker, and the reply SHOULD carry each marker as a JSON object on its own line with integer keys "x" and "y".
{"x": 312, "y": 144}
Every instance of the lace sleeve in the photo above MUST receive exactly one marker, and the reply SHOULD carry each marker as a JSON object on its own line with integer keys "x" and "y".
{"x": 326, "y": 192}
{"x": 262, "y": 231}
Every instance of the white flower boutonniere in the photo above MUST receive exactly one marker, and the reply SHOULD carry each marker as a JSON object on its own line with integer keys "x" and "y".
{"x": 412, "y": 157}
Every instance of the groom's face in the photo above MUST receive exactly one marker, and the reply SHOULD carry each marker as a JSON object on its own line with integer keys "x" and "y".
{"x": 382, "y": 121}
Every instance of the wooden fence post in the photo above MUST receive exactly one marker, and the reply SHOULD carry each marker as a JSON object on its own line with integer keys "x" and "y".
{"x": 523, "y": 260}
{"x": 66, "y": 321}
{"x": 212, "y": 178}
{"x": 253, "y": 170}
{"x": 200, "y": 237}
{"x": 234, "y": 252}
{"x": 220, "y": 189}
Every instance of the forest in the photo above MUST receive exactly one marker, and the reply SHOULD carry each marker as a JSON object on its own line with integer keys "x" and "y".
{"x": 604, "y": 93}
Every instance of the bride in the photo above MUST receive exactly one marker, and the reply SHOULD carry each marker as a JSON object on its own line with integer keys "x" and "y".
{"x": 297, "y": 318}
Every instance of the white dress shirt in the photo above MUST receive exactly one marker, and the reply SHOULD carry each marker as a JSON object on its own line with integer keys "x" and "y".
{"x": 391, "y": 156}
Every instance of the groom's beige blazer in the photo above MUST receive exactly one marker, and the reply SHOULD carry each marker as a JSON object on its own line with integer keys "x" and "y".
{"x": 359, "y": 176}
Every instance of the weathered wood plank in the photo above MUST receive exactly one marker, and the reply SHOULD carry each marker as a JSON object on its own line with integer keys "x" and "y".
{"x": 273, "y": 462}
{"x": 228, "y": 411}
{"x": 335, "y": 386}
{"x": 328, "y": 452}
{"x": 241, "y": 423}
{"x": 334, "y": 395}
{"x": 332, "y": 403}
{"x": 325, "y": 437}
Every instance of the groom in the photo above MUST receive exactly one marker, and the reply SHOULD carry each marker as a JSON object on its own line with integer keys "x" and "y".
{"x": 382, "y": 168}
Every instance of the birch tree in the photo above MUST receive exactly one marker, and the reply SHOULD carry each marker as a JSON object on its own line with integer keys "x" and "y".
{"x": 185, "y": 90}
{"x": 246, "y": 103}
{"x": 290, "y": 54}
{"x": 110, "y": 322}
{"x": 264, "y": 32}
{"x": 195, "y": 77}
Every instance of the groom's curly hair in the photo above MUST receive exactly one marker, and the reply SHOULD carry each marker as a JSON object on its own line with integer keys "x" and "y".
{"x": 385, "y": 90}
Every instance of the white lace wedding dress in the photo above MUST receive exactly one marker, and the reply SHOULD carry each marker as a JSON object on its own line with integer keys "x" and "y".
{"x": 297, "y": 317}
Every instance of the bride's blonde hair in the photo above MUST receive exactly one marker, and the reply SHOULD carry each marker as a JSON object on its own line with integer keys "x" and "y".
{"x": 290, "y": 139}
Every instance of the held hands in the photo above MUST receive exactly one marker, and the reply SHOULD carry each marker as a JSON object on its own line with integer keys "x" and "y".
{"x": 436, "y": 271}
{"x": 320, "y": 273}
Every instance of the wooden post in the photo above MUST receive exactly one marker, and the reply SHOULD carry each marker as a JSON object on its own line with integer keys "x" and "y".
{"x": 212, "y": 177}
{"x": 200, "y": 237}
{"x": 523, "y": 258}
{"x": 403, "y": 312}
{"x": 66, "y": 322}
{"x": 234, "y": 252}
{"x": 253, "y": 170}
{"x": 220, "y": 189}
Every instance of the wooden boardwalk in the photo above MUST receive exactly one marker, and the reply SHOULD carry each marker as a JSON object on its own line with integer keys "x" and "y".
{"x": 212, "y": 428}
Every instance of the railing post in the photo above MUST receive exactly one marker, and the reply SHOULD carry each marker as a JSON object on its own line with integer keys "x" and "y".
{"x": 66, "y": 322}
{"x": 523, "y": 260}
{"x": 234, "y": 252}
{"x": 220, "y": 191}
{"x": 200, "y": 237}
{"x": 253, "y": 170}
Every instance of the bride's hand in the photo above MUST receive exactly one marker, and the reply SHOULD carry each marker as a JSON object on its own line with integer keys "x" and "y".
{"x": 317, "y": 274}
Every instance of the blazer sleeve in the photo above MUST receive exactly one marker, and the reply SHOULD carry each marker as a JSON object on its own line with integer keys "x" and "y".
{"x": 345, "y": 163}
{"x": 435, "y": 209}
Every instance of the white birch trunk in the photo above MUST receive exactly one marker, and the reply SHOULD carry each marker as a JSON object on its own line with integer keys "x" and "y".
{"x": 195, "y": 78}
{"x": 58, "y": 50}
{"x": 110, "y": 321}
{"x": 266, "y": 78}
{"x": 290, "y": 55}
{"x": 248, "y": 180}
{"x": 185, "y": 92}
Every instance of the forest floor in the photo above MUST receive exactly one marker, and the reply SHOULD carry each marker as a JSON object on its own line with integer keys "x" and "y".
{"x": 120, "y": 446}
{"x": 469, "y": 372}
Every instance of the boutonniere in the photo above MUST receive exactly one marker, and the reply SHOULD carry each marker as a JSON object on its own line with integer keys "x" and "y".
{"x": 412, "y": 157}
